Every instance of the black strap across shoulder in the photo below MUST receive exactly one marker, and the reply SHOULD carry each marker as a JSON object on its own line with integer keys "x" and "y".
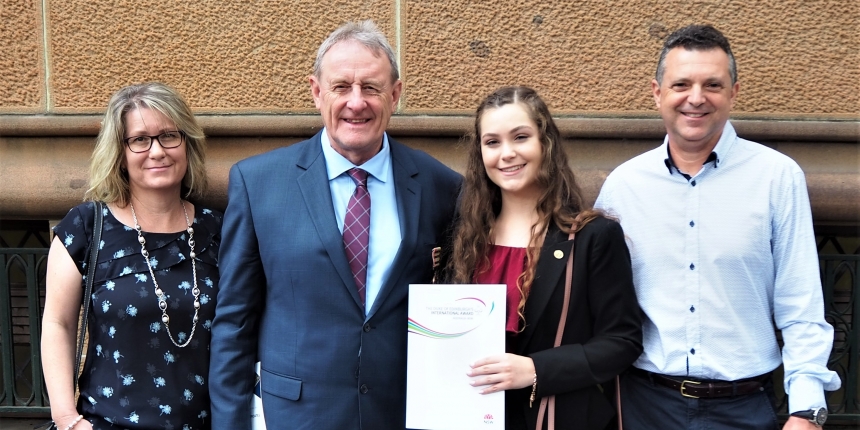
{"x": 88, "y": 290}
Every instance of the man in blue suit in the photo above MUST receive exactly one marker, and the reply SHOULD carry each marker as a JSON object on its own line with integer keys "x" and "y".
{"x": 333, "y": 354}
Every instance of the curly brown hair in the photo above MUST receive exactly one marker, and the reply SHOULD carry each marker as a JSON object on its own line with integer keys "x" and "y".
{"x": 560, "y": 201}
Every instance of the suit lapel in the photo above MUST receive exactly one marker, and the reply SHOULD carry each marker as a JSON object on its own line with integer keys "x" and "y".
{"x": 313, "y": 183}
{"x": 549, "y": 272}
{"x": 408, "y": 194}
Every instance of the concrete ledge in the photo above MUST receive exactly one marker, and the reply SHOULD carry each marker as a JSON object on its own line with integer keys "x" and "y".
{"x": 42, "y": 177}
{"x": 837, "y": 130}
{"x": 44, "y": 159}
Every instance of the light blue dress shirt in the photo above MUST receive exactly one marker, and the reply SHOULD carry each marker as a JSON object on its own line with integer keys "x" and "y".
{"x": 385, "y": 234}
{"x": 717, "y": 259}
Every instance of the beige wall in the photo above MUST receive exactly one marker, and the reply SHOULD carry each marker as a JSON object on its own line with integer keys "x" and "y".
{"x": 796, "y": 57}
{"x": 243, "y": 65}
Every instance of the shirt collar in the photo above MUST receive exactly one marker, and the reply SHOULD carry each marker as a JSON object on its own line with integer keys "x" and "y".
{"x": 336, "y": 164}
{"x": 724, "y": 145}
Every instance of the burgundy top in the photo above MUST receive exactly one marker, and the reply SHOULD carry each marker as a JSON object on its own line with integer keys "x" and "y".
{"x": 506, "y": 265}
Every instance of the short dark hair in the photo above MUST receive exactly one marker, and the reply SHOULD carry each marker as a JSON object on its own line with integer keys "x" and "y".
{"x": 697, "y": 38}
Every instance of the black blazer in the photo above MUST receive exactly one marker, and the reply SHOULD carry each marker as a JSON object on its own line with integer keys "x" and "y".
{"x": 603, "y": 332}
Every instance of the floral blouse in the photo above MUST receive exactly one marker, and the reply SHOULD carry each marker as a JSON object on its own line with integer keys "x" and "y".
{"x": 134, "y": 376}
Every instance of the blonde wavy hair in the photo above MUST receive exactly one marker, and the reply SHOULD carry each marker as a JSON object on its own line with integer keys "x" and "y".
{"x": 108, "y": 182}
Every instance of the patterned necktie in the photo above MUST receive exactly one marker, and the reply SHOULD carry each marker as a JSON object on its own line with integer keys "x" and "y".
{"x": 356, "y": 229}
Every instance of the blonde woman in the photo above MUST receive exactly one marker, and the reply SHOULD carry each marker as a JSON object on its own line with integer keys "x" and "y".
{"x": 156, "y": 281}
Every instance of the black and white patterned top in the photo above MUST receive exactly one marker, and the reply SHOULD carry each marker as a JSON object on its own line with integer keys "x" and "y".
{"x": 134, "y": 376}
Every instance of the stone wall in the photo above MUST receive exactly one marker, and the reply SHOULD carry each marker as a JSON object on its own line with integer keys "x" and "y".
{"x": 244, "y": 66}
{"x": 796, "y": 57}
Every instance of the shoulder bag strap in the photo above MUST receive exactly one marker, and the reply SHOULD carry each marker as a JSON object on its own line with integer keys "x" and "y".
{"x": 548, "y": 403}
{"x": 88, "y": 290}
{"x": 568, "y": 278}
{"x": 618, "y": 401}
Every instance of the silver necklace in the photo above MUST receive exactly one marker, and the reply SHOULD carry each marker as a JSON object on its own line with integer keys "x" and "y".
{"x": 162, "y": 298}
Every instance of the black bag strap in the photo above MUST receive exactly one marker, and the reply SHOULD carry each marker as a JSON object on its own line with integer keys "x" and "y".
{"x": 88, "y": 290}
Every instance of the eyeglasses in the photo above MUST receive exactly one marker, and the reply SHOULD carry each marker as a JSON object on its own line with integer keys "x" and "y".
{"x": 167, "y": 140}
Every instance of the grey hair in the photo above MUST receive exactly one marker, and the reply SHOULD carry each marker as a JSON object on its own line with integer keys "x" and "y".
{"x": 697, "y": 38}
{"x": 363, "y": 32}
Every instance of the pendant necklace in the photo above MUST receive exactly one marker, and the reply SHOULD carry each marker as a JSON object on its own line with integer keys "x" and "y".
{"x": 162, "y": 298}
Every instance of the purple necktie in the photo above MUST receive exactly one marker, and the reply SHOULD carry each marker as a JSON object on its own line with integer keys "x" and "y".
{"x": 356, "y": 229}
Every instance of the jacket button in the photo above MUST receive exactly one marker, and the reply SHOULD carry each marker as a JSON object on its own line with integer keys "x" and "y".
{"x": 367, "y": 328}
{"x": 363, "y": 389}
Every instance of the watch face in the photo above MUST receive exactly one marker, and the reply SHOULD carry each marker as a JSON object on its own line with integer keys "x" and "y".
{"x": 820, "y": 416}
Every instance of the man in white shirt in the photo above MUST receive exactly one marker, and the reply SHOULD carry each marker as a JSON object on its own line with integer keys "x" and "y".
{"x": 721, "y": 240}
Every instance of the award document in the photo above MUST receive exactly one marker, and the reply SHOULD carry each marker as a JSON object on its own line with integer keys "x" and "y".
{"x": 258, "y": 422}
{"x": 451, "y": 326}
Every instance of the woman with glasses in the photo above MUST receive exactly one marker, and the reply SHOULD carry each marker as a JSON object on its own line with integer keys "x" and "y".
{"x": 156, "y": 281}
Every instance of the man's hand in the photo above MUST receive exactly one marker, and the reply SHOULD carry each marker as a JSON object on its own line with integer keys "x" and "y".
{"x": 502, "y": 372}
{"x": 797, "y": 423}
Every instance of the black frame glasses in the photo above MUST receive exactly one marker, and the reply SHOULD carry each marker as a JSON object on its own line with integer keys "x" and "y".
{"x": 139, "y": 144}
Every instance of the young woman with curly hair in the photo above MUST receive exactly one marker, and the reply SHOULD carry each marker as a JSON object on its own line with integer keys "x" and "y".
{"x": 519, "y": 204}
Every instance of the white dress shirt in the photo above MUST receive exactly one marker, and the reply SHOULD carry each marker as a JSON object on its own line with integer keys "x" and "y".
{"x": 385, "y": 234}
{"x": 718, "y": 258}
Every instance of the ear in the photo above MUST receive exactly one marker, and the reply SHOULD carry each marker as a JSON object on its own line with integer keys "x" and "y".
{"x": 655, "y": 91}
{"x": 735, "y": 89}
{"x": 316, "y": 90}
{"x": 396, "y": 90}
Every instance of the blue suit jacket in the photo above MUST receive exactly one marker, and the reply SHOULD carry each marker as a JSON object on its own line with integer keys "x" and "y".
{"x": 287, "y": 295}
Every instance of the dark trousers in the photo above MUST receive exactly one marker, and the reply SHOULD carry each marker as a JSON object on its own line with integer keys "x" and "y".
{"x": 647, "y": 406}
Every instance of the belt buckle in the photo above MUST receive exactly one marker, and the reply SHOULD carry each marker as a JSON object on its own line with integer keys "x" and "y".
{"x": 684, "y": 393}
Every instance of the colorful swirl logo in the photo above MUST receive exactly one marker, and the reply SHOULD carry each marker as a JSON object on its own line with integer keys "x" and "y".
{"x": 477, "y": 308}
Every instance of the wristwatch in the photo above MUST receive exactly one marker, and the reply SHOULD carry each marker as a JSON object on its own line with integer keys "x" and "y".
{"x": 816, "y": 416}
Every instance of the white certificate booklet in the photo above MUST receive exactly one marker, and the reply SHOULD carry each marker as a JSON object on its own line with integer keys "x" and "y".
{"x": 451, "y": 326}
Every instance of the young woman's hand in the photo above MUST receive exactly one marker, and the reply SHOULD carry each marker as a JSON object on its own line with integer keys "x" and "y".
{"x": 502, "y": 372}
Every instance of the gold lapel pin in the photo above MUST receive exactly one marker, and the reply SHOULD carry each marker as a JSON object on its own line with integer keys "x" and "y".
{"x": 558, "y": 254}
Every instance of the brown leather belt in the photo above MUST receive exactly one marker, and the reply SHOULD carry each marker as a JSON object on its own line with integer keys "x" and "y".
{"x": 704, "y": 389}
